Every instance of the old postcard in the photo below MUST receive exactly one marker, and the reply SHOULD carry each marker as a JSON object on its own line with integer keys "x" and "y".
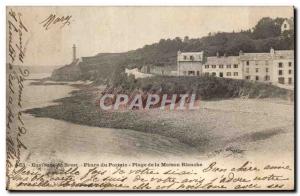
{"x": 150, "y": 98}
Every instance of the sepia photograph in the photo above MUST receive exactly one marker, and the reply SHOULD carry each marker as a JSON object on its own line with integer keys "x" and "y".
{"x": 150, "y": 98}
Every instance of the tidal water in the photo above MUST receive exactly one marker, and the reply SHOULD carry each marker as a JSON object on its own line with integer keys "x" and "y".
{"x": 57, "y": 140}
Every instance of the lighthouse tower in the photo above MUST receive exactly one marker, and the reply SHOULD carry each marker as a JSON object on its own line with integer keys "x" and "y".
{"x": 74, "y": 52}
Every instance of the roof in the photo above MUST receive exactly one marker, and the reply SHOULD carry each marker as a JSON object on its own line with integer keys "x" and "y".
{"x": 290, "y": 21}
{"x": 190, "y": 53}
{"x": 190, "y": 56}
{"x": 222, "y": 60}
{"x": 278, "y": 54}
{"x": 256, "y": 56}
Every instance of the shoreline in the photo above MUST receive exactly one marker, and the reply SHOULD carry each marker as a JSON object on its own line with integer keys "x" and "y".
{"x": 191, "y": 128}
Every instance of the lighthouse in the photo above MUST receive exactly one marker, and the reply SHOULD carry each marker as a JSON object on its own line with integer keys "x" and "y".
{"x": 74, "y": 52}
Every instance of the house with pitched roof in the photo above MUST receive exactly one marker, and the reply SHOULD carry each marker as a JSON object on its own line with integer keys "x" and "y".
{"x": 288, "y": 24}
{"x": 190, "y": 63}
{"x": 223, "y": 66}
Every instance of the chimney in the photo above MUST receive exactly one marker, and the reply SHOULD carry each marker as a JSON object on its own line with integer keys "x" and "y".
{"x": 241, "y": 53}
{"x": 217, "y": 54}
{"x": 74, "y": 52}
{"x": 272, "y": 51}
{"x": 224, "y": 54}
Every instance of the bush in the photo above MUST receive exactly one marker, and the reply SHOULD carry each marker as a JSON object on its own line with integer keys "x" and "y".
{"x": 205, "y": 87}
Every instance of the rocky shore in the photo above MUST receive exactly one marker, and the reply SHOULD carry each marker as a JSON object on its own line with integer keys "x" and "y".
{"x": 228, "y": 126}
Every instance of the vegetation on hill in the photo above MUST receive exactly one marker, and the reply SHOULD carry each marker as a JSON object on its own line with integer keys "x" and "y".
{"x": 261, "y": 38}
{"x": 205, "y": 87}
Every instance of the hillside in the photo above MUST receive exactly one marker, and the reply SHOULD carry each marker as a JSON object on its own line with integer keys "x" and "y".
{"x": 204, "y": 87}
{"x": 68, "y": 72}
{"x": 261, "y": 38}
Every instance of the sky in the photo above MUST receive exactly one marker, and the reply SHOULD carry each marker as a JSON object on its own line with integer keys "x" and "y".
{"x": 120, "y": 29}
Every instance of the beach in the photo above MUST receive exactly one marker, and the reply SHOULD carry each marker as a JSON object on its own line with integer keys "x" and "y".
{"x": 230, "y": 127}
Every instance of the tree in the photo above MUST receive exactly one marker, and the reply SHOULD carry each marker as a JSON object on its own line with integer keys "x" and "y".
{"x": 266, "y": 27}
{"x": 239, "y": 42}
{"x": 186, "y": 39}
{"x": 178, "y": 39}
{"x": 278, "y": 22}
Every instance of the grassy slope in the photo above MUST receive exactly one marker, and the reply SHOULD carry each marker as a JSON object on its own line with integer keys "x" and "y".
{"x": 205, "y": 87}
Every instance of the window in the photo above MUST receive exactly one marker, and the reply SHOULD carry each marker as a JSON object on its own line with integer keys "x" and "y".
{"x": 235, "y": 73}
{"x": 285, "y": 26}
{"x": 267, "y": 62}
{"x": 198, "y": 73}
{"x": 206, "y": 74}
{"x": 267, "y": 70}
{"x": 213, "y": 73}
{"x": 281, "y": 80}
{"x": 213, "y": 66}
{"x": 206, "y": 66}
{"x": 290, "y": 71}
{"x": 267, "y": 78}
{"x": 256, "y": 70}
{"x": 221, "y": 74}
{"x": 191, "y": 58}
{"x": 221, "y": 66}
{"x": 247, "y": 70}
{"x": 290, "y": 80}
{"x": 247, "y": 77}
{"x": 247, "y": 62}
{"x": 290, "y": 64}
{"x": 235, "y": 66}
{"x": 280, "y": 65}
{"x": 228, "y": 74}
{"x": 184, "y": 57}
{"x": 191, "y": 73}
{"x": 256, "y": 77}
{"x": 280, "y": 72}
{"x": 228, "y": 66}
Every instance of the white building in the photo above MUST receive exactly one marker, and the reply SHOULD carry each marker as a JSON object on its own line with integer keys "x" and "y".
{"x": 274, "y": 67}
{"x": 190, "y": 63}
{"x": 288, "y": 24}
{"x": 137, "y": 73}
{"x": 223, "y": 66}
{"x": 283, "y": 67}
{"x": 257, "y": 66}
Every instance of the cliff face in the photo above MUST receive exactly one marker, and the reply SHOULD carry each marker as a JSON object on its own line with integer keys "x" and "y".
{"x": 97, "y": 68}
{"x": 70, "y": 72}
